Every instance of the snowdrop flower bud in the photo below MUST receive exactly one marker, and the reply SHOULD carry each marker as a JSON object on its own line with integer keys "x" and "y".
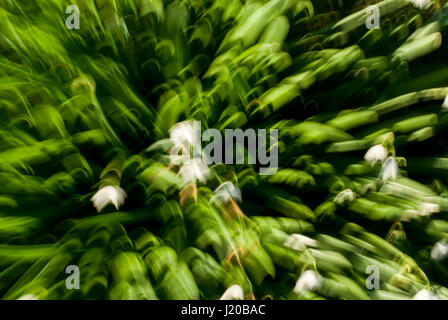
{"x": 299, "y": 242}
{"x": 108, "y": 195}
{"x": 389, "y": 169}
{"x": 425, "y": 295}
{"x": 439, "y": 251}
{"x": 234, "y": 292}
{"x": 344, "y": 196}
{"x": 226, "y": 192}
{"x": 420, "y": 3}
{"x": 308, "y": 281}
{"x": 193, "y": 170}
{"x": 376, "y": 153}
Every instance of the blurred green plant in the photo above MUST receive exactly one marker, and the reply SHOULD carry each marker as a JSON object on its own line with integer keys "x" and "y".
{"x": 86, "y": 178}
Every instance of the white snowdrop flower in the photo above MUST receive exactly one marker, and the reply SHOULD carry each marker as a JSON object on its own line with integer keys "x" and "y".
{"x": 344, "y": 196}
{"x": 194, "y": 169}
{"x": 376, "y": 153}
{"x": 182, "y": 132}
{"x": 226, "y": 192}
{"x": 425, "y": 295}
{"x": 234, "y": 292}
{"x": 439, "y": 251}
{"x": 28, "y": 297}
{"x": 308, "y": 281}
{"x": 108, "y": 195}
{"x": 389, "y": 169}
{"x": 445, "y": 103}
{"x": 420, "y": 3}
{"x": 299, "y": 242}
{"x": 427, "y": 208}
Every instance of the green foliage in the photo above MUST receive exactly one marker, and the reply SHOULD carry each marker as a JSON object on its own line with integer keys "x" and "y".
{"x": 87, "y": 109}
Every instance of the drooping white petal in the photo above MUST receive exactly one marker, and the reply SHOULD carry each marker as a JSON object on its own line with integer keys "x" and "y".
{"x": 445, "y": 103}
{"x": 420, "y": 3}
{"x": 225, "y": 192}
{"x": 308, "y": 281}
{"x": 425, "y": 295}
{"x": 108, "y": 195}
{"x": 389, "y": 169}
{"x": 299, "y": 242}
{"x": 182, "y": 132}
{"x": 234, "y": 292}
{"x": 193, "y": 170}
{"x": 440, "y": 250}
{"x": 376, "y": 153}
{"x": 344, "y": 196}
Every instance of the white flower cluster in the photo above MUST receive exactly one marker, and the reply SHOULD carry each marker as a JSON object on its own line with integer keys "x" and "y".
{"x": 389, "y": 169}
{"x": 192, "y": 169}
